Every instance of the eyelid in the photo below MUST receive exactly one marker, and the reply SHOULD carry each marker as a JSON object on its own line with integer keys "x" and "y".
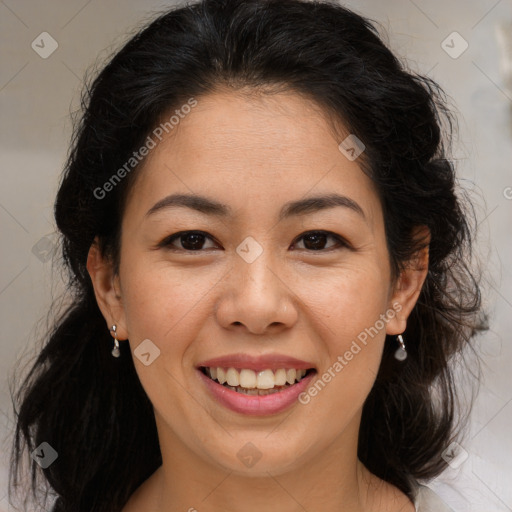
{"x": 341, "y": 241}
{"x": 166, "y": 242}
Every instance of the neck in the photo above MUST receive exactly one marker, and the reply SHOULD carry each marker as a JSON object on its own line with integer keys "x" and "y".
{"x": 332, "y": 481}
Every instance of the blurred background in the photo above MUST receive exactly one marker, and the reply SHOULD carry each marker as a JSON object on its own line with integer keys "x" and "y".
{"x": 465, "y": 45}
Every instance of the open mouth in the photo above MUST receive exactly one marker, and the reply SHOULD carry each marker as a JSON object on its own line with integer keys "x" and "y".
{"x": 256, "y": 383}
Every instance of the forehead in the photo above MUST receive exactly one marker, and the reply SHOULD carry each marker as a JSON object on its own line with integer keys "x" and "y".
{"x": 282, "y": 126}
{"x": 249, "y": 148}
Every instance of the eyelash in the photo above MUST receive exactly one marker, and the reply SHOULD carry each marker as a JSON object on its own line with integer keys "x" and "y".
{"x": 342, "y": 243}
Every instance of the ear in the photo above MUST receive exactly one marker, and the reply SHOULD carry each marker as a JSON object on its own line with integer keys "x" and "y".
{"x": 408, "y": 285}
{"x": 107, "y": 289}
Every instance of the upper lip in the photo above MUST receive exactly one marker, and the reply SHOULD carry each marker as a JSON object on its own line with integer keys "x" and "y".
{"x": 257, "y": 363}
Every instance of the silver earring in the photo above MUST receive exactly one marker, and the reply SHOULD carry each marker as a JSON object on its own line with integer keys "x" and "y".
{"x": 115, "y": 351}
{"x": 401, "y": 353}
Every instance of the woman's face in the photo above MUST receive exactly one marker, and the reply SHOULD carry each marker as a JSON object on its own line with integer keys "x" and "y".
{"x": 257, "y": 286}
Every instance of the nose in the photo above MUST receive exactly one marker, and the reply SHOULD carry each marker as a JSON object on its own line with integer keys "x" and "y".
{"x": 257, "y": 298}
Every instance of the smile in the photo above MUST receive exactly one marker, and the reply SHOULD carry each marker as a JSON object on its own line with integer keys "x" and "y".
{"x": 260, "y": 383}
{"x": 255, "y": 392}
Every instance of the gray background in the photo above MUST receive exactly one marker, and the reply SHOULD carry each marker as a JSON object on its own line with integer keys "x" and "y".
{"x": 38, "y": 94}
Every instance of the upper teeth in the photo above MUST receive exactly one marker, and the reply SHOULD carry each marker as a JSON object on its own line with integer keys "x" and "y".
{"x": 250, "y": 379}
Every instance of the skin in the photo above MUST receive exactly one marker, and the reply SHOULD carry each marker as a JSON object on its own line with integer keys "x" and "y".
{"x": 255, "y": 153}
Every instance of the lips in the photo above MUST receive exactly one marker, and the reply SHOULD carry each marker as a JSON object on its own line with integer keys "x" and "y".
{"x": 258, "y": 392}
{"x": 257, "y": 363}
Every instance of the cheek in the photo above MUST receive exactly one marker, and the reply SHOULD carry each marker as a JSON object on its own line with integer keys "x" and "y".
{"x": 350, "y": 318}
{"x": 348, "y": 301}
{"x": 159, "y": 300}
{"x": 167, "y": 307}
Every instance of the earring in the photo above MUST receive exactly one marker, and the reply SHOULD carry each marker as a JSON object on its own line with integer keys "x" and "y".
{"x": 115, "y": 351}
{"x": 401, "y": 353}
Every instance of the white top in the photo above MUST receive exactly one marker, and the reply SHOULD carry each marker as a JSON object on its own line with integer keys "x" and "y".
{"x": 427, "y": 500}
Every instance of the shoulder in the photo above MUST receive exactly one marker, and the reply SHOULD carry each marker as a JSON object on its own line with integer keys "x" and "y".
{"x": 426, "y": 500}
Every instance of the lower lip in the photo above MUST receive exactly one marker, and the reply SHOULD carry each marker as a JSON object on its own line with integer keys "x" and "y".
{"x": 255, "y": 405}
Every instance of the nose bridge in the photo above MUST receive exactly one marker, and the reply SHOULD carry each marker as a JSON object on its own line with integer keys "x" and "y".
{"x": 257, "y": 267}
{"x": 257, "y": 296}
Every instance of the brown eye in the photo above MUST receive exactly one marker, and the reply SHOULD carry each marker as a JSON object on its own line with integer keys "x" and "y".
{"x": 187, "y": 241}
{"x": 194, "y": 241}
{"x": 317, "y": 240}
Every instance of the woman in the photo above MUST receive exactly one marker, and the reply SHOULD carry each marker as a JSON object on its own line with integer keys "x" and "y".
{"x": 269, "y": 266}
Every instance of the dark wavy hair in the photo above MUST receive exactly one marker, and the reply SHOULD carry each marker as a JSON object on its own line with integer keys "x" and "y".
{"x": 90, "y": 406}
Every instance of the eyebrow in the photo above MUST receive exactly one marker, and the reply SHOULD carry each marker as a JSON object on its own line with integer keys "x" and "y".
{"x": 300, "y": 207}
